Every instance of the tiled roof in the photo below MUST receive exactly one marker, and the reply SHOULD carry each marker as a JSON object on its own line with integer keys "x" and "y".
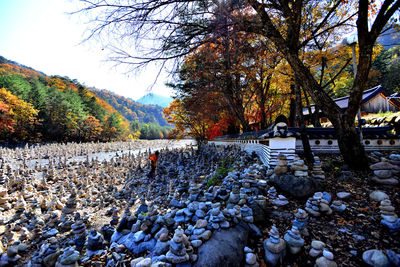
{"x": 343, "y": 102}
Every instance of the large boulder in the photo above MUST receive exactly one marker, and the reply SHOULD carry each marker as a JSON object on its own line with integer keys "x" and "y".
{"x": 225, "y": 248}
{"x": 298, "y": 187}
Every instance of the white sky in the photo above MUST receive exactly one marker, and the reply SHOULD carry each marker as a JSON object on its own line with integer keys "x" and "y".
{"x": 39, "y": 34}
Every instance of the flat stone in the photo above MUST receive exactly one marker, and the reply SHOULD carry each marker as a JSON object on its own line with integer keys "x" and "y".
{"x": 390, "y": 181}
{"x": 383, "y": 173}
{"x": 319, "y": 245}
{"x": 378, "y": 196}
{"x": 383, "y": 165}
{"x": 343, "y": 195}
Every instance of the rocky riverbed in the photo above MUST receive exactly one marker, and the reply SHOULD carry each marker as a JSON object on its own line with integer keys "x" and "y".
{"x": 208, "y": 206}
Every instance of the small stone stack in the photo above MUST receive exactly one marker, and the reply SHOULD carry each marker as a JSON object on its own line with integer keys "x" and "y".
{"x": 234, "y": 196}
{"x": 51, "y": 253}
{"x": 3, "y": 178}
{"x": 383, "y": 173}
{"x": 300, "y": 221}
{"x": 272, "y": 194}
{"x": 70, "y": 205}
{"x": 217, "y": 218}
{"x": 177, "y": 250}
{"x": 11, "y": 257}
{"x": 193, "y": 191}
{"x": 247, "y": 214}
{"x": 293, "y": 240}
{"x": 389, "y": 217}
{"x": 95, "y": 244}
{"x": 338, "y": 206}
{"x": 69, "y": 258}
{"x": 4, "y": 198}
{"x": 281, "y": 200}
{"x": 251, "y": 258}
{"x": 317, "y": 248}
{"x": 299, "y": 168}
{"x": 79, "y": 230}
{"x": 275, "y": 248}
{"x": 326, "y": 260}
{"x": 281, "y": 166}
{"x": 114, "y": 217}
{"x": 317, "y": 171}
{"x": 317, "y": 205}
{"x": 162, "y": 245}
{"x": 20, "y": 205}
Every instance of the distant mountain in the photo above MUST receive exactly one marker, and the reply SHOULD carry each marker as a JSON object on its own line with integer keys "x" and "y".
{"x": 132, "y": 110}
{"x": 389, "y": 39}
{"x": 153, "y": 99}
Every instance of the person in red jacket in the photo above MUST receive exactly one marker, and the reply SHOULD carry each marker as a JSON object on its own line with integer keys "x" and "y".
{"x": 153, "y": 162}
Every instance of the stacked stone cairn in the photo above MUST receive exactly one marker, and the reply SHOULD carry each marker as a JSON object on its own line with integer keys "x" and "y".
{"x": 178, "y": 248}
{"x": 293, "y": 240}
{"x": 389, "y": 217}
{"x": 95, "y": 244}
{"x": 301, "y": 221}
{"x": 279, "y": 200}
{"x": 251, "y": 258}
{"x": 80, "y": 233}
{"x": 281, "y": 166}
{"x": 234, "y": 197}
{"x": 383, "y": 173}
{"x": 317, "y": 248}
{"x": 11, "y": 257}
{"x": 48, "y": 254}
{"x": 114, "y": 218}
{"x": 326, "y": 260}
{"x": 298, "y": 167}
{"x": 70, "y": 205}
{"x": 69, "y": 258}
{"x": 317, "y": 172}
{"x": 20, "y": 205}
{"x": 4, "y": 199}
{"x": 162, "y": 245}
{"x": 275, "y": 248}
{"x": 247, "y": 214}
{"x": 317, "y": 205}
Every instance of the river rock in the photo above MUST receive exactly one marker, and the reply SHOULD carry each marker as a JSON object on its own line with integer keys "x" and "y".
{"x": 224, "y": 248}
{"x": 298, "y": 187}
{"x": 376, "y": 258}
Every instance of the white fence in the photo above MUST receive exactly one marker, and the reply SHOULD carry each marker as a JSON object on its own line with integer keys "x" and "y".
{"x": 250, "y": 146}
{"x": 269, "y": 149}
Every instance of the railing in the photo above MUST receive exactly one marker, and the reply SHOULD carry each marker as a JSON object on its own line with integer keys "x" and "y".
{"x": 263, "y": 151}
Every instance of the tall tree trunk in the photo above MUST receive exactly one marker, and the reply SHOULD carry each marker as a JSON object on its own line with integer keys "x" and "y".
{"x": 349, "y": 141}
{"x": 350, "y": 146}
{"x": 300, "y": 120}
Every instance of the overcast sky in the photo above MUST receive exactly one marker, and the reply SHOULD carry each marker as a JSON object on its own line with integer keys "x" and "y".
{"x": 40, "y": 34}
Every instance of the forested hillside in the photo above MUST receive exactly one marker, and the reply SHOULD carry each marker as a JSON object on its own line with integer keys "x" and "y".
{"x": 132, "y": 110}
{"x": 35, "y": 107}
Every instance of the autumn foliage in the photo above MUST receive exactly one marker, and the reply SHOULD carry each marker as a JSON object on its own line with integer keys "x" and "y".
{"x": 35, "y": 107}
